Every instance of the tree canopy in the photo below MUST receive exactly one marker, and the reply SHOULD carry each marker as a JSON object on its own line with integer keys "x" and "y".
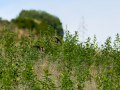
{"x": 26, "y": 19}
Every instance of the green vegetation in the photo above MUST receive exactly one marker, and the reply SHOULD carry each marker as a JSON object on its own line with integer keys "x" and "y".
{"x": 72, "y": 66}
{"x": 6, "y": 23}
{"x": 39, "y": 20}
{"x": 25, "y": 23}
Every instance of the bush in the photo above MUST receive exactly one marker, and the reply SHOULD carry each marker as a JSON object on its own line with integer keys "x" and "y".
{"x": 74, "y": 63}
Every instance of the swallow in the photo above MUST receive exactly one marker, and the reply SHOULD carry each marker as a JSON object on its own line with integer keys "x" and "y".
{"x": 57, "y": 40}
{"x": 40, "y": 48}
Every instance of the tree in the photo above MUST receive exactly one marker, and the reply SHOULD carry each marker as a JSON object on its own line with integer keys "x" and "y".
{"x": 51, "y": 20}
{"x": 25, "y": 23}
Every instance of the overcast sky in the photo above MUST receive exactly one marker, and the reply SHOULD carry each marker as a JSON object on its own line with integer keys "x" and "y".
{"x": 101, "y": 17}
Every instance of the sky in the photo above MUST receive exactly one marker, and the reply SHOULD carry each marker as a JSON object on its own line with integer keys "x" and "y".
{"x": 99, "y": 17}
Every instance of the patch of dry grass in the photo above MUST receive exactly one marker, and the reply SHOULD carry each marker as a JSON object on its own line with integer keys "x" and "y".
{"x": 44, "y": 63}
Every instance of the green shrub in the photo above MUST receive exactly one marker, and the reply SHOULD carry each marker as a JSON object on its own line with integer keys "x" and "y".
{"x": 74, "y": 59}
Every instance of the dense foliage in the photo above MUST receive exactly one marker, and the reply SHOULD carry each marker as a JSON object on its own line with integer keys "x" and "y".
{"x": 6, "y": 23}
{"x": 75, "y": 64}
{"x": 33, "y": 19}
{"x": 25, "y": 23}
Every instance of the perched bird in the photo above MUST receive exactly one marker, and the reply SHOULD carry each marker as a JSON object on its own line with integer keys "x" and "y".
{"x": 57, "y": 40}
{"x": 40, "y": 48}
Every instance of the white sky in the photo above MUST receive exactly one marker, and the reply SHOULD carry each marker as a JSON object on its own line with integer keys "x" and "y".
{"x": 101, "y": 16}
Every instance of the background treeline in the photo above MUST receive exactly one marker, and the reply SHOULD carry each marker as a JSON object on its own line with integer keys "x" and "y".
{"x": 39, "y": 20}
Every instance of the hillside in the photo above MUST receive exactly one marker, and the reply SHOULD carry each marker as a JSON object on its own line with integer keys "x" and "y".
{"x": 35, "y": 21}
{"x": 72, "y": 66}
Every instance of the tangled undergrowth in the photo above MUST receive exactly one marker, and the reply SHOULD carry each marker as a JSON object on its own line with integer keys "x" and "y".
{"x": 72, "y": 66}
